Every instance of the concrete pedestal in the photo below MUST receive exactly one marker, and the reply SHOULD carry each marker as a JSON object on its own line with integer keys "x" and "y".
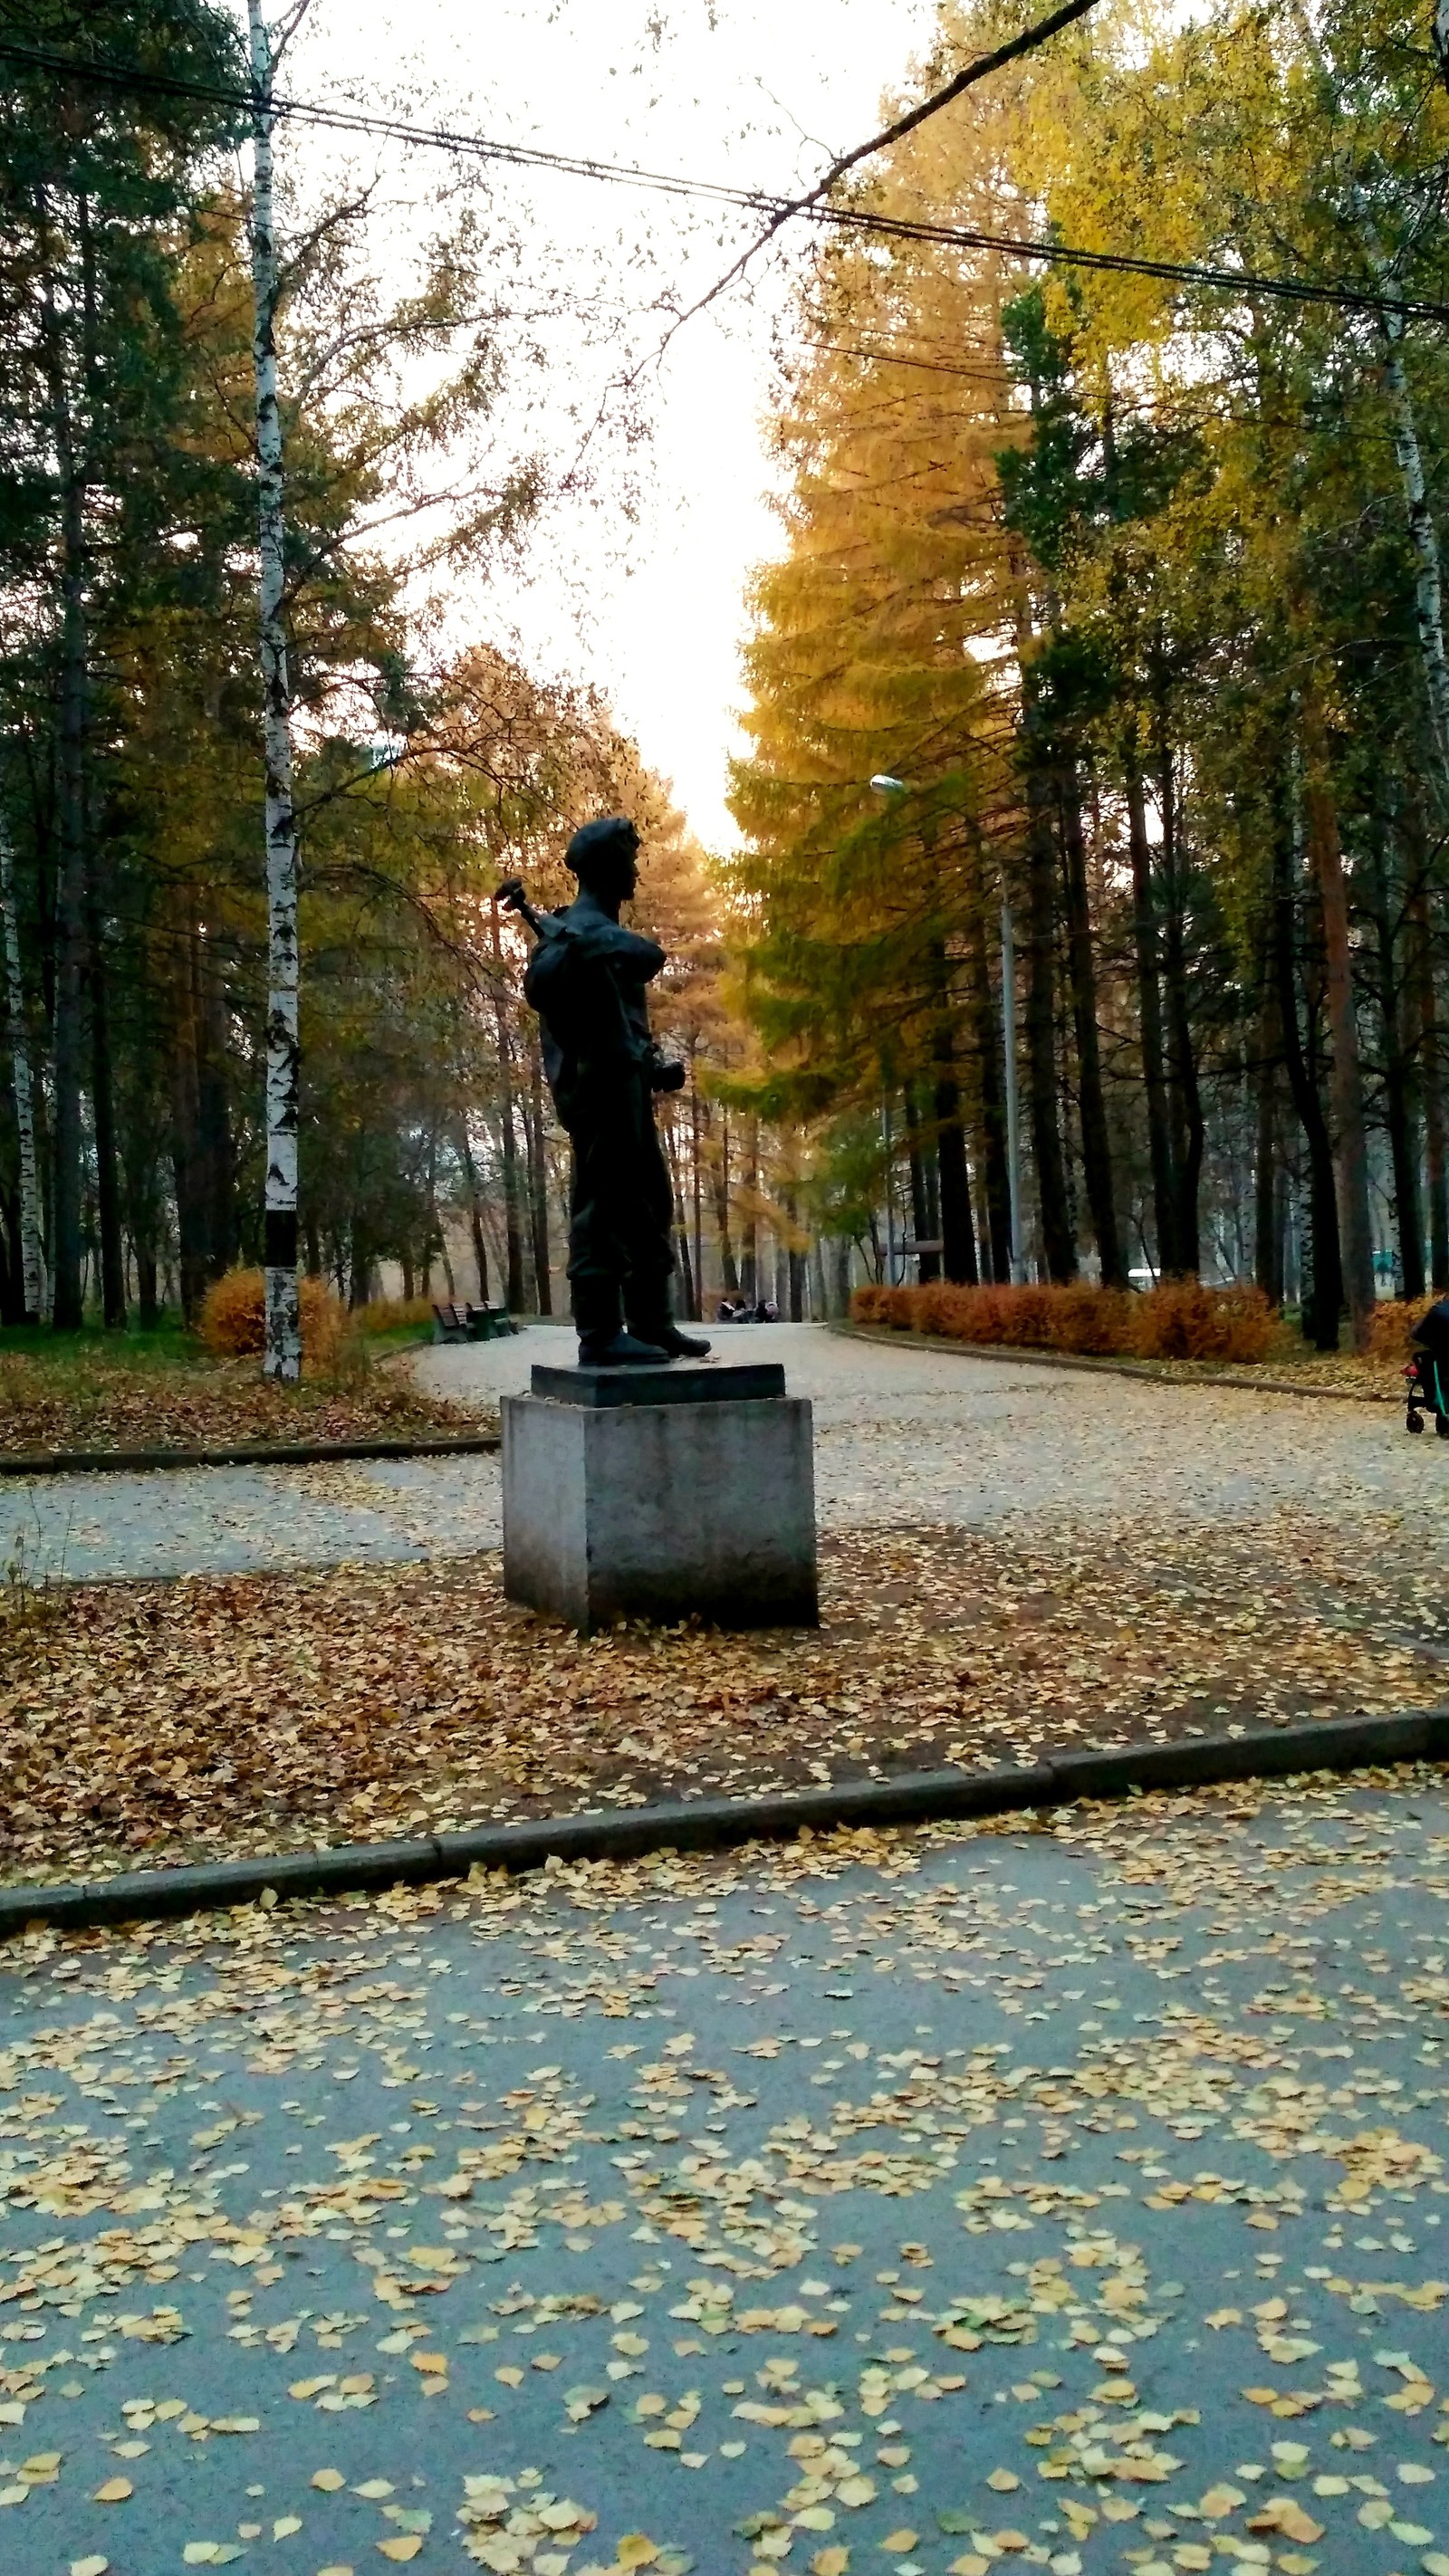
{"x": 696, "y": 1499}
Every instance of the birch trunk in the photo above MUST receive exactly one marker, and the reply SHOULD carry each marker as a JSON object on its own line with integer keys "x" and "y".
{"x": 1096, "y": 1140}
{"x": 1058, "y": 1240}
{"x": 1321, "y": 1283}
{"x": 475, "y": 1212}
{"x": 538, "y": 1181}
{"x": 65, "y": 1124}
{"x": 283, "y": 1350}
{"x": 1154, "y": 1065}
{"x": 1431, "y": 1092}
{"x": 32, "y": 1255}
{"x": 986, "y": 1042}
{"x": 1346, "y": 1081}
{"x": 1428, "y": 571}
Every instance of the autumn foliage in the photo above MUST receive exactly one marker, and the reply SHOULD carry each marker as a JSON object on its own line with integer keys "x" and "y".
{"x": 1180, "y": 1320}
{"x": 232, "y": 1317}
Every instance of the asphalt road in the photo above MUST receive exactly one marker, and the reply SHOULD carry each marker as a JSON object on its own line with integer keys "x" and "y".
{"x": 919, "y": 1437}
{"x": 1066, "y": 2198}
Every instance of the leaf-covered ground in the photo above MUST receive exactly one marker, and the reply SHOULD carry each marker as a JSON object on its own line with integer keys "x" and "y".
{"x": 959, "y": 2201}
{"x": 1369, "y": 1376}
{"x": 89, "y": 1398}
{"x": 165, "y": 1721}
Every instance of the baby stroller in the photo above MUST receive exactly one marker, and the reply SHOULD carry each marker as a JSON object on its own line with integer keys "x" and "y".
{"x": 1427, "y": 1374}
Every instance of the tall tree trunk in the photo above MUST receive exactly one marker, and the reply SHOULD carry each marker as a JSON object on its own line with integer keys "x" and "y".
{"x": 187, "y": 1158}
{"x": 283, "y": 1353}
{"x": 1423, "y": 537}
{"x": 1346, "y": 1080}
{"x": 1268, "y": 1161}
{"x": 1323, "y": 1291}
{"x": 986, "y": 1039}
{"x": 70, "y": 928}
{"x": 928, "y": 1264}
{"x": 1149, "y": 1003}
{"x": 1096, "y": 1142}
{"x": 695, "y": 1182}
{"x": 1059, "y": 1249}
{"x": 538, "y": 1181}
{"x": 1188, "y": 1126}
{"x": 218, "y": 1152}
{"x": 958, "y": 1234}
{"x": 796, "y": 1259}
{"x": 720, "y": 1169}
{"x": 681, "y": 1229}
{"x": 32, "y": 1233}
{"x": 475, "y": 1213}
{"x": 511, "y": 1195}
{"x": 108, "y": 1196}
{"x": 1399, "y": 1102}
{"x": 750, "y": 1246}
{"x": 1431, "y": 1072}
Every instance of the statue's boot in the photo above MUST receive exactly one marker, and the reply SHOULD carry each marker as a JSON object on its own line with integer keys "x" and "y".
{"x": 652, "y": 1321}
{"x": 599, "y": 1323}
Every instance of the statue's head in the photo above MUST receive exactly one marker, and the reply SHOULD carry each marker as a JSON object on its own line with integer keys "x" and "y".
{"x": 604, "y": 857}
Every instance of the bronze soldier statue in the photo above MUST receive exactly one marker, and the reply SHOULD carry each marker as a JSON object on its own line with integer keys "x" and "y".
{"x": 586, "y": 979}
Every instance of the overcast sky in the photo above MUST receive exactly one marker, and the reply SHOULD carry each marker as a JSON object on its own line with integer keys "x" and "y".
{"x": 760, "y": 97}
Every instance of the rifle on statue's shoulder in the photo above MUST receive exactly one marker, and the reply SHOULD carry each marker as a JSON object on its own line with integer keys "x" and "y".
{"x": 549, "y": 978}
{"x": 544, "y": 925}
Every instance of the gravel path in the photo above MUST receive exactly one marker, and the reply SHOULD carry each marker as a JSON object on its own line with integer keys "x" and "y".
{"x": 923, "y": 1437}
{"x": 1066, "y": 2200}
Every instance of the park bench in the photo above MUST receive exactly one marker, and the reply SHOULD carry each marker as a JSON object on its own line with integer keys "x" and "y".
{"x": 453, "y": 1322}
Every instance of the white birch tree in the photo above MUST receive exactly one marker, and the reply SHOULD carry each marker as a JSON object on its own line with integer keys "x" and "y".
{"x": 32, "y": 1252}
{"x": 282, "y": 1356}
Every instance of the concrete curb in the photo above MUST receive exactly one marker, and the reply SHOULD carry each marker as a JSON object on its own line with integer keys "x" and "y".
{"x": 301, "y": 1453}
{"x": 698, "y": 1824}
{"x": 1147, "y": 1372}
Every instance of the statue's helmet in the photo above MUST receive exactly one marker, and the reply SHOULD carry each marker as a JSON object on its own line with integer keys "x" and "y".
{"x": 600, "y": 848}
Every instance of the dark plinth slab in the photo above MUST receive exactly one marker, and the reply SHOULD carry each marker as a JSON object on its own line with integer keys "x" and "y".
{"x": 683, "y": 1382}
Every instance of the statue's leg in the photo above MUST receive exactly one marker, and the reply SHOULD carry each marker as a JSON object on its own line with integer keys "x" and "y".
{"x": 598, "y": 1250}
{"x": 647, "y": 1298}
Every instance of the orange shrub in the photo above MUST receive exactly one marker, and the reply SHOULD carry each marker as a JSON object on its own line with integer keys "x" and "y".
{"x": 1179, "y": 1320}
{"x": 890, "y": 1306}
{"x": 1393, "y": 1325}
{"x": 385, "y": 1314}
{"x": 233, "y": 1319}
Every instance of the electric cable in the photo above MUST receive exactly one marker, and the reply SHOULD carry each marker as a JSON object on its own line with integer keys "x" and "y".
{"x": 1241, "y": 282}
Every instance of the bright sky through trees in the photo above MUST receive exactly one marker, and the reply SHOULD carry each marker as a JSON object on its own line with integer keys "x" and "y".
{"x": 651, "y": 612}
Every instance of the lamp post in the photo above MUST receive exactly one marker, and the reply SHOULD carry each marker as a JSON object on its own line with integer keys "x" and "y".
{"x": 884, "y": 785}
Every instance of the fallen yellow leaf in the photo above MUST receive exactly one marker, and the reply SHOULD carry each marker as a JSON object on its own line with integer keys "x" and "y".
{"x": 830, "y": 2562}
{"x": 635, "y": 2550}
{"x": 1280, "y": 2513}
{"x": 115, "y": 2491}
{"x": 1003, "y": 2480}
{"x": 401, "y": 2549}
{"x": 329, "y": 2480}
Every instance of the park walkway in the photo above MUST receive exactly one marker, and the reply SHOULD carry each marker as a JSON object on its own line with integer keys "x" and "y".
{"x": 904, "y": 1436}
{"x": 1062, "y": 2199}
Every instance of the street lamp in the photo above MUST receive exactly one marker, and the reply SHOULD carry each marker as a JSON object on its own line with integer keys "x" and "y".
{"x": 883, "y": 784}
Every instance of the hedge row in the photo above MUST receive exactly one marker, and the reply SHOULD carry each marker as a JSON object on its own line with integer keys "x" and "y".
{"x": 1180, "y": 1320}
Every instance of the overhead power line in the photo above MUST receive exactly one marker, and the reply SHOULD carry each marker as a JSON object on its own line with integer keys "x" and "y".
{"x": 858, "y": 219}
{"x": 813, "y": 202}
